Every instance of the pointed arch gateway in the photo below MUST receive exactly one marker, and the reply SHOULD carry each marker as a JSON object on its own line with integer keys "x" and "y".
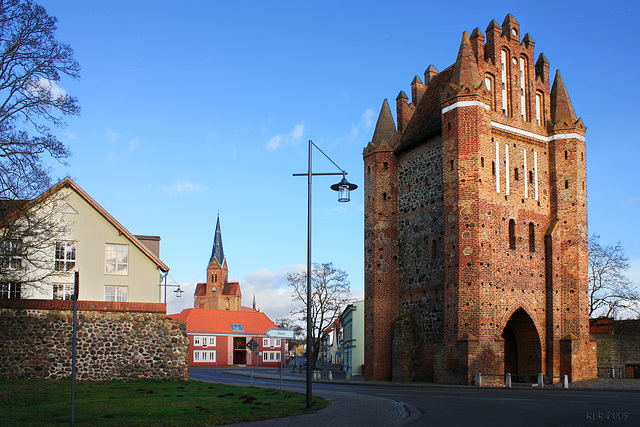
{"x": 522, "y": 348}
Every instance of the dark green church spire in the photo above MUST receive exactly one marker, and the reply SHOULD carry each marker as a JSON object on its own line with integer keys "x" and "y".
{"x": 218, "y": 251}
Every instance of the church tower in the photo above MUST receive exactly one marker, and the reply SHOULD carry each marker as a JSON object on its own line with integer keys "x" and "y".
{"x": 217, "y": 293}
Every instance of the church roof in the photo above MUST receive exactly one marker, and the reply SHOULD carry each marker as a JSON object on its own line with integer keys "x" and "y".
{"x": 220, "y": 321}
{"x": 217, "y": 252}
{"x": 201, "y": 290}
{"x": 232, "y": 288}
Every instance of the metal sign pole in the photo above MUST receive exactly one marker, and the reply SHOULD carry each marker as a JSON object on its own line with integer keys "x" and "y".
{"x": 76, "y": 283}
{"x": 281, "y": 362}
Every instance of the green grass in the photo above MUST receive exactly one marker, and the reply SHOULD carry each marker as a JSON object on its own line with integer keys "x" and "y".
{"x": 143, "y": 403}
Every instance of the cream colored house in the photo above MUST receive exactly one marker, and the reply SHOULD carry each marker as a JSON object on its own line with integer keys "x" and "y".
{"x": 352, "y": 321}
{"x": 113, "y": 264}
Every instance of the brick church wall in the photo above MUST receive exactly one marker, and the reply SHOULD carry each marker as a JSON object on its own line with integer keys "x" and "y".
{"x": 114, "y": 341}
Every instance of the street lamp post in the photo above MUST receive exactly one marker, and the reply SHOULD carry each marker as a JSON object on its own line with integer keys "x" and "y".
{"x": 343, "y": 188}
{"x": 178, "y": 291}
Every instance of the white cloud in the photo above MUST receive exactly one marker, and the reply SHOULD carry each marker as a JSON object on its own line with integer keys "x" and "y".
{"x": 273, "y": 296}
{"x": 634, "y": 272}
{"x": 283, "y": 139}
{"x": 183, "y": 186}
{"x": 175, "y": 304}
{"x": 630, "y": 201}
{"x": 47, "y": 88}
{"x": 365, "y": 124}
{"x": 111, "y": 135}
{"x": 112, "y": 157}
{"x": 133, "y": 144}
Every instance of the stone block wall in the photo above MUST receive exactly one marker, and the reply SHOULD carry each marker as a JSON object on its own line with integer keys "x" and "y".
{"x": 114, "y": 341}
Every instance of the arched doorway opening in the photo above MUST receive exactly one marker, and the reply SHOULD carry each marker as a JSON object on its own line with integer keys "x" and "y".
{"x": 522, "y": 349}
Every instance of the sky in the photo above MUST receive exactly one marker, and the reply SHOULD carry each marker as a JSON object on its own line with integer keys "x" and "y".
{"x": 198, "y": 108}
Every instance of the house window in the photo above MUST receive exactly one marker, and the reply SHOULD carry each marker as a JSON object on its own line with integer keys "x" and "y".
{"x": 11, "y": 254}
{"x": 532, "y": 236}
{"x": 538, "y": 109}
{"x": 10, "y": 290}
{"x": 116, "y": 259}
{"x": 204, "y": 341}
{"x": 512, "y": 234}
{"x": 270, "y": 356}
{"x": 63, "y": 291}
{"x": 65, "y": 259}
{"x": 237, "y": 328}
{"x": 204, "y": 356}
{"x": 116, "y": 293}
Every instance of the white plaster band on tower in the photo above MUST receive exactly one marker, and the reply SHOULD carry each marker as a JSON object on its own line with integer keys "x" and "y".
{"x": 497, "y": 167}
{"x": 535, "y": 174}
{"x": 537, "y": 136}
{"x": 465, "y": 104}
{"x": 506, "y": 169}
{"x": 523, "y": 105}
{"x": 525, "y": 173}
{"x": 503, "y": 73}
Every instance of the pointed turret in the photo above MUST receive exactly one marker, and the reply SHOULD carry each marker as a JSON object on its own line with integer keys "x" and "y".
{"x": 217, "y": 251}
{"x": 430, "y": 74}
{"x": 385, "y": 131}
{"x": 417, "y": 90}
{"x": 477, "y": 43}
{"x": 542, "y": 68}
{"x": 465, "y": 70}
{"x": 560, "y": 104}
{"x": 510, "y": 28}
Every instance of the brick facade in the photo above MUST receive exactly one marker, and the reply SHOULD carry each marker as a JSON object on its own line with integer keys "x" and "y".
{"x": 115, "y": 340}
{"x": 475, "y": 222}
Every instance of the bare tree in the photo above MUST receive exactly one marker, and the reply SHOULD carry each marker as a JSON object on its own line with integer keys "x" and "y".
{"x": 32, "y": 61}
{"x": 330, "y": 293}
{"x": 611, "y": 293}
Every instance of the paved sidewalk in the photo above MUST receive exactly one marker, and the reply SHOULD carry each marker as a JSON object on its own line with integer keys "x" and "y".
{"x": 348, "y": 409}
{"x": 344, "y": 409}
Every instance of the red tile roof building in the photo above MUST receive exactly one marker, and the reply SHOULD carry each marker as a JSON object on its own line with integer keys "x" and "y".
{"x": 219, "y": 327}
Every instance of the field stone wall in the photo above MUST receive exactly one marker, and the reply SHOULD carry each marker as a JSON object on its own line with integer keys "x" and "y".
{"x": 36, "y": 343}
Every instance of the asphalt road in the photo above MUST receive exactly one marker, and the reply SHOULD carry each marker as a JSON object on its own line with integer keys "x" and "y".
{"x": 474, "y": 406}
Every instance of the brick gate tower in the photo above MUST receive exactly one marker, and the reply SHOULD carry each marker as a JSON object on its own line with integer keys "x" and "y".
{"x": 476, "y": 222}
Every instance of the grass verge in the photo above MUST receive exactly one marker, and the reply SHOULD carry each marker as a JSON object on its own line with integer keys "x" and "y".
{"x": 144, "y": 403}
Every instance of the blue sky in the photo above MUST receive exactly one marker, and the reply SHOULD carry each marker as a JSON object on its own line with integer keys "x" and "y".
{"x": 199, "y": 107}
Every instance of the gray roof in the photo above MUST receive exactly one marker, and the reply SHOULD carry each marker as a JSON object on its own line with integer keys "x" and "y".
{"x": 218, "y": 251}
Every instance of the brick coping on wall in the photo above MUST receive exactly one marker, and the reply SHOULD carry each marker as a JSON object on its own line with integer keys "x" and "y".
{"x": 45, "y": 304}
